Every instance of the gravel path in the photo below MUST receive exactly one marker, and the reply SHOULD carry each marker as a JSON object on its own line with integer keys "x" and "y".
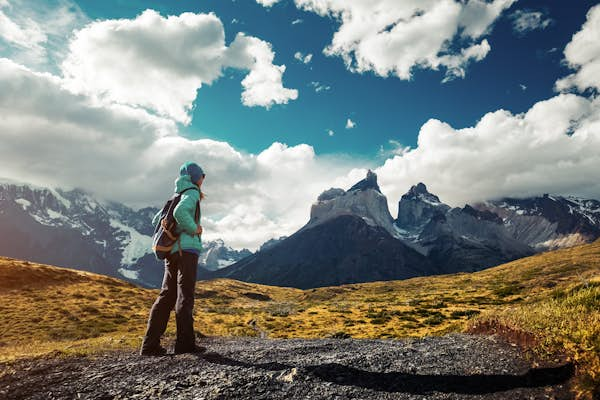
{"x": 450, "y": 367}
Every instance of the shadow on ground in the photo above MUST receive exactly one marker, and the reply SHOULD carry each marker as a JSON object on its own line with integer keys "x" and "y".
{"x": 416, "y": 383}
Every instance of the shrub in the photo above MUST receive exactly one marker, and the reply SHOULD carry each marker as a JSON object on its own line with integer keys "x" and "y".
{"x": 507, "y": 290}
{"x": 434, "y": 320}
{"x": 464, "y": 313}
{"x": 90, "y": 310}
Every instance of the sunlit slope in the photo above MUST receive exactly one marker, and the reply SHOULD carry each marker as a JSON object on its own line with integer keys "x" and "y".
{"x": 45, "y": 308}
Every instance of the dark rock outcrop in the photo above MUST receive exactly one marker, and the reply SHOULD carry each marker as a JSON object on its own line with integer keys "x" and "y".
{"x": 370, "y": 182}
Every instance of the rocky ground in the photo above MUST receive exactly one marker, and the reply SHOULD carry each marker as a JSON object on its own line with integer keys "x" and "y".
{"x": 449, "y": 367}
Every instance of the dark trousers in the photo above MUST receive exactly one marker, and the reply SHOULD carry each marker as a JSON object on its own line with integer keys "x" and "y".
{"x": 177, "y": 291}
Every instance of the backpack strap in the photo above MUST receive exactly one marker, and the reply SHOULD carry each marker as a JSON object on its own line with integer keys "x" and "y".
{"x": 190, "y": 188}
{"x": 197, "y": 212}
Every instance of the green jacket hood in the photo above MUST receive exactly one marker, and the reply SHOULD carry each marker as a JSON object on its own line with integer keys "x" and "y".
{"x": 183, "y": 182}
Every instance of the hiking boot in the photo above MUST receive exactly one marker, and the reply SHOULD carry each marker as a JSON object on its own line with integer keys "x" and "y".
{"x": 158, "y": 351}
{"x": 194, "y": 350}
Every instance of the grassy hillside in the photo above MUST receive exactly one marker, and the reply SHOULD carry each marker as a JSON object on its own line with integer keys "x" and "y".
{"x": 553, "y": 297}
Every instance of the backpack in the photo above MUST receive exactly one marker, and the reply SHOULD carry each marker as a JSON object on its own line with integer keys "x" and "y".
{"x": 165, "y": 235}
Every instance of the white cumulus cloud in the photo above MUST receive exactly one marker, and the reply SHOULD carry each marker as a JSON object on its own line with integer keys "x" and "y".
{"x": 320, "y": 87}
{"x": 263, "y": 86}
{"x": 159, "y": 63}
{"x": 583, "y": 55}
{"x": 393, "y": 38}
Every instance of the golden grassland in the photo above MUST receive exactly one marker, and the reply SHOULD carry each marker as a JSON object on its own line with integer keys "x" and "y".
{"x": 553, "y": 296}
{"x": 567, "y": 323}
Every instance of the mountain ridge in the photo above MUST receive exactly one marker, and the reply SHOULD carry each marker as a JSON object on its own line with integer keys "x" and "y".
{"x": 74, "y": 229}
{"x": 450, "y": 239}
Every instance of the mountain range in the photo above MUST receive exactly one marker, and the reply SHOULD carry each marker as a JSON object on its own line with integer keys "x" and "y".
{"x": 350, "y": 236}
{"x": 75, "y": 230}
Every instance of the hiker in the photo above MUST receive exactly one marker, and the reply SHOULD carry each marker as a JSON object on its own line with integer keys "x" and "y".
{"x": 181, "y": 264}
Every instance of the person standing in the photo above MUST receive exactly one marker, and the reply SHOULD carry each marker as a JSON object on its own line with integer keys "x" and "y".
{"x": 179, "y": 279}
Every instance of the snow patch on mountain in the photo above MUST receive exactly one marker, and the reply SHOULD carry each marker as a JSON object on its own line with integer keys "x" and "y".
{"x": 55, "y": 215}
{"x": 24, "y": 203}
{"x": 129, "y": 274}
{"x": 225, "y": 263}
{"x": 217, "y": 255}
{"x": 66, "y": 203}
{"x": 135, "y": 246}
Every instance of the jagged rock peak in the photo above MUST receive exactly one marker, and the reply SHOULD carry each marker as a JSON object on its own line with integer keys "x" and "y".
{"x": 363, "y": 200}
{"x": 370, "y": 182}
{"x": 417, "y": 207}
{"x": 418, "y": 188}
{"x": 419, "y": 191}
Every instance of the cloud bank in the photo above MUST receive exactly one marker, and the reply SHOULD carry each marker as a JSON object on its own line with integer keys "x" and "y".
{"x": 54, "y": 137}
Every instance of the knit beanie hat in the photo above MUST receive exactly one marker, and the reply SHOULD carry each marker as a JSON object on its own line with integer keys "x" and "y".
{"x": 192, "y": 169}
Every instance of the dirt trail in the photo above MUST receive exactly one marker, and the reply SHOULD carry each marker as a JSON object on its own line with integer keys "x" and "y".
{"x": 450, "y": 367}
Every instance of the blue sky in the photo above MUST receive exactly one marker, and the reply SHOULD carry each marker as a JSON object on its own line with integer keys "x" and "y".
{"x": 478, "y": 99}
{"x": 383, "y": 108}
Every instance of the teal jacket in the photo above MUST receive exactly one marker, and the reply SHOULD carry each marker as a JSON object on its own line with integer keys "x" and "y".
{"x": 184, "y": 215}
